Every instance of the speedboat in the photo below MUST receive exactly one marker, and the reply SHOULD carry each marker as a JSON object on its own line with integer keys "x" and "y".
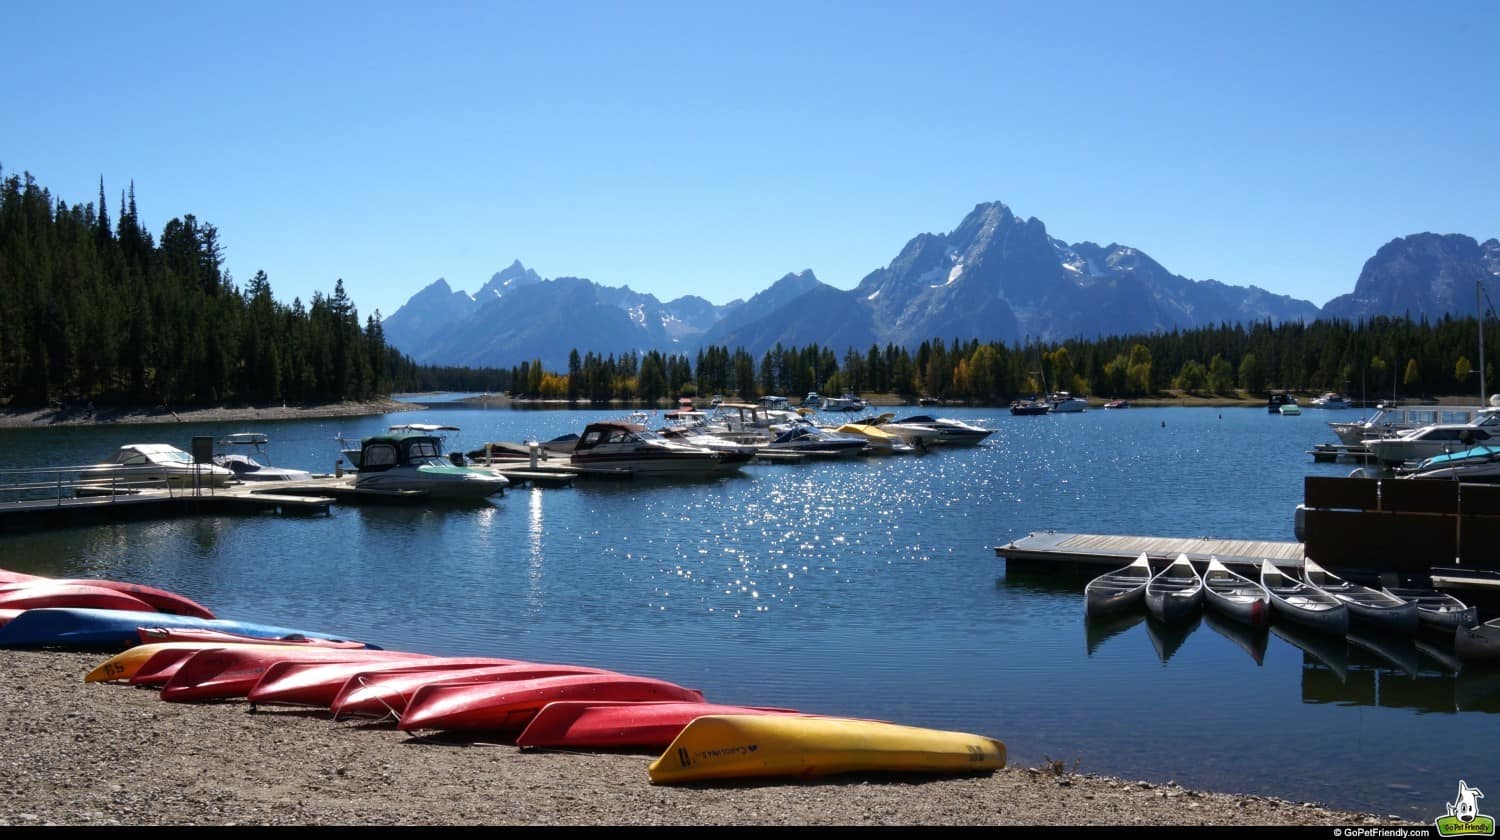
{"x": 880, "y": 441}
{"x": 245, "y": 467}
{"x": 1331, "y": 400}
{"x": 155, "y": 465}
{"x": 1478, "y": 464}
{"x": 808, "y": 439}
{"x": 950, "y": 431}
{"x": 691, "y": 426}
{"x": 1437, "y": 439}
{"x": 847, "y": 402}
{"x": 1117, "y": 404}
{"x": 623, "y": 445}
{"x": 413, "y": 460}
{"x": 1065, "y": 403}
{"x": 352, "y": 450}
{"x": 916, "y": 434}
{"x": 1030, "y": 407}
{"x": 1389, "y": 419}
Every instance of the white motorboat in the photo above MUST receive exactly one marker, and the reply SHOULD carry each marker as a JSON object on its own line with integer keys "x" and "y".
{"x": 816, "y": 441}
{"x": 1330, "y": 400}
{"x": 1416, "y": 445}
{"x": 950, "y": 431}
{"x": 1392, "y": 418}
{"x": 147, "y": 465}
{"x": 414, "y": 461}
{"x": 847, "y": 402}
{"x": 237, "y": 457}
{"x": 623, "y": 445}
{"x": 916, "y": 434}
{"x": 691, "y": 426}
{"x": 1065, "y": 403}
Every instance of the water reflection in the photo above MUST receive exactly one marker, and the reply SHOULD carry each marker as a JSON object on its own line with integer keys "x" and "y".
{"x": 1251, "y": 640}
{"x": 1168, "y": 638}
{"x": 1099, "y": 629}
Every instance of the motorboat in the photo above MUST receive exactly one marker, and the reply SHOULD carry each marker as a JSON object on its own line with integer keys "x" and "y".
{"x": 414, "y": 461}
{"x": 846, "y": 402}
{"x": 1065, "y": 403}
{"x": 691, "y": 426}
{"x": 1291, "y": 409}
{"x": 1330, "y": 400}
{"x": 1277, "y": 399}
{"x": 245, "y": 466}
{"x": 628, "y": 446}
{"x": 1391, "y": 418}
{"x": 816, "y": 441}
{"x": 1374, "y": 607}
{"x": 812, "y": 400}
{"x": 1416, "y": 445}
{"x": 1478, "y": 464}
{"x": 1113, "y": 404}
{"x": 1030, "y": 407}
{"x": 916, "y": 434}
{"x": 950, "y": 431}
{"x": 154, "y": 465}
{"x": 881, "y": 441}
{"x": 1302, "y": 603}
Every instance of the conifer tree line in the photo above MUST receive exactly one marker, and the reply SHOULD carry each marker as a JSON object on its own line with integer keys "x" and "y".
{"x": 102, "y": 311}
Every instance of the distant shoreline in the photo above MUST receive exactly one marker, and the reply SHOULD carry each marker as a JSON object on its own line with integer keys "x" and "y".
{"x": 83, "y": 415}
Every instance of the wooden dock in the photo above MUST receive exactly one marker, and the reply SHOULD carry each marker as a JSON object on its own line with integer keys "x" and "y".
{"x": 92, "y": 506}
{"x": 1095, "y": 553}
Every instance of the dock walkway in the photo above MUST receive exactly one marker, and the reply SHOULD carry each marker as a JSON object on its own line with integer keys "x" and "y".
{"x": 1094, "y": 552}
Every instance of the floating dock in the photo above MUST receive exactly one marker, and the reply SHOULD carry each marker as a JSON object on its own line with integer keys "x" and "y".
{"x": 1095, "y": 553}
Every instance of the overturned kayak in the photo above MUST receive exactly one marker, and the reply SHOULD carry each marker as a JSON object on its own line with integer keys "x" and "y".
{"x": 87, "y": 627}
{"x": 149, "y": 664}
{"x": 293, "y": 683}
{"x": 157, "y": 635}
{"x": 41, "y": 594}
{"x": 221, "y": 672}
{"x": 747, "y": 746}
{"x": 585, "y": 724}
{"x": 386, "y": 693}
{"x": 153, "y": 598}
{"x": 509, "y": 706}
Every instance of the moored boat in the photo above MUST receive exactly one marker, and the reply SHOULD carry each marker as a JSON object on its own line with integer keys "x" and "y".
{"x": 1302, "y": 603}
{"x": 406, "y": 461}
{"x": 1235, "y": 596}
{"x": 1437, "y": 609}
{"x": 630, "y": 447}
{"x": 1478, "y": 644}
{"x": 148, "y": 465}
{"x": 1119, "y": 590}
{"x": 715, "y": 747}
{"x": 1372, "y": 607}
{"x": 1175, "y": 594}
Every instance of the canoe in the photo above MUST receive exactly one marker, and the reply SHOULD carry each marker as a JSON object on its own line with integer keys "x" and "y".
{"x": 1480, "y": 643}
{"x": 1235, "y": 596}
{"x": 157, "y": 635}
{"x": 220, "y": 672}
{"x": 1302, "y": 603}
{"x": 148, "y": 659}
{"x": 585, "y": 724}
{"x": 1120, "y": 590}
{"x": 82, "y": 627}
{"x": 318, "y": 683}
{"x": 29, "y": 596}
{"x": 1436, "y": 609}
{"x": 747, "y": 746}
{"x": 1374, "y": 608}
{"x": 509, "y": 706}
{"x": 379, "y": 695}
{"x": 1175, "y": 593}
{"x": 151, "y": 597}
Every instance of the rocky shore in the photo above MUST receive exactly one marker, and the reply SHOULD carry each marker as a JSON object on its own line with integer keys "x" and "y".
{"x": 108, "y": 754}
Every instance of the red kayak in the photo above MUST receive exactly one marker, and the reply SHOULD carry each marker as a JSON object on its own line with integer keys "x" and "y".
{"x": 217, "y": 673}
{"x": 318, "y": 683}
{"x": 509, "y": 706}
{"x": 31, "y": 595}
{"x": 155, "y": 600}
{"x": 381, "y": 695}
{"x": 7, "y": 576}
{"x": 154, "y": 635}
{"x": 622, "y": 724}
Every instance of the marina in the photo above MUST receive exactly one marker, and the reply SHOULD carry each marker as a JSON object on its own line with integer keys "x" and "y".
{"x": 865, "y": 587}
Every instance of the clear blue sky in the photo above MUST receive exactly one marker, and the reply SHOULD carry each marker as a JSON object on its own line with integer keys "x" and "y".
{"x": 710, "y": 148}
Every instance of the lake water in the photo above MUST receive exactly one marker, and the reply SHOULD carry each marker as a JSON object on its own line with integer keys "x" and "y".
{"x": 868, "y": 588}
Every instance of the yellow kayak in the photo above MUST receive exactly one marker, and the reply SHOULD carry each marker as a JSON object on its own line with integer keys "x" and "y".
{"x": 740, "y": 746}
{"x": 122, "y": 666}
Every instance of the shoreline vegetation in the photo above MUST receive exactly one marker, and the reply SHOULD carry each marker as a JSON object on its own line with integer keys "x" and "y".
{"x": 84, "y": 414}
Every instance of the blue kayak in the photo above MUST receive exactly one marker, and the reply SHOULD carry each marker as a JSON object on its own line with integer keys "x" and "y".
{"x": 83, "y": 627}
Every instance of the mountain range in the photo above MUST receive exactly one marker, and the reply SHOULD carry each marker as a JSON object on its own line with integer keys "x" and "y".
{"x": 995, "y": 277}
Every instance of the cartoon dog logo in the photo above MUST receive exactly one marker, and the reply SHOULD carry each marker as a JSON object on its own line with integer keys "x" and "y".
{"x": 1466, "y": 806}
{"x": 1463, "y": 818}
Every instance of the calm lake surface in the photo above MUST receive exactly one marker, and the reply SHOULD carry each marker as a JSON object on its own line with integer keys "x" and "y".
{"x": 867, "y": 588}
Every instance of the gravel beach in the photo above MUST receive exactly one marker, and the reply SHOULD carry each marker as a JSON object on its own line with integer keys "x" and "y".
{"x": 104, "y": 754}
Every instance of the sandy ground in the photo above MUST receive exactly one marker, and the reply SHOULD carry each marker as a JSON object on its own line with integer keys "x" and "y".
{"x": 96, "y": 754}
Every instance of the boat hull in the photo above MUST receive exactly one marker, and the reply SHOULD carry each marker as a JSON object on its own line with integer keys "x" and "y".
{"x": 622, "y": 724}
{"x": 219, "y": 673}
{"x": 387, "y": 693}
{"x": 509, "y": 706}
{"x": 84, "y": 627}
{"x": 747, "y": 746}
{"x": 1479, "y": 644}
